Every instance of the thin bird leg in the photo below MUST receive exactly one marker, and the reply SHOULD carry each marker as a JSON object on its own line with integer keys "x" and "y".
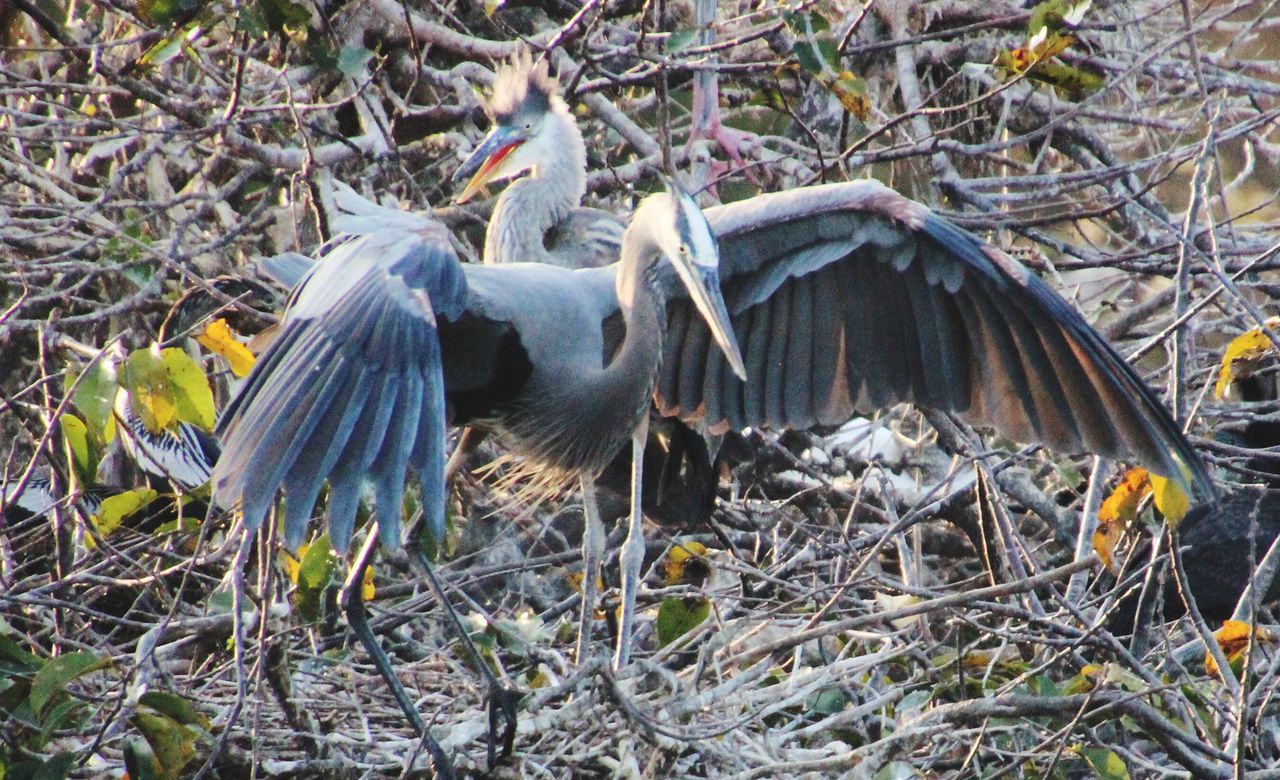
{"x": 358, "y": 620}
{"x": 706, "y": 103}
{"x": 468, "y": 441}
{"x": 631, "y": 558}
{"x": 502, "y": 700}
{"x": 592, "y": 553}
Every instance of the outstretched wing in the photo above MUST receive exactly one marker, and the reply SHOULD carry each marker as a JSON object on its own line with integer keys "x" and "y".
{"x": 850, "y": 296}
{"x": 350, "y": 391}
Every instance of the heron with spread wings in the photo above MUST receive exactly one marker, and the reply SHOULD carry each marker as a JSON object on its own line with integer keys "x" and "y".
{"x": 827, "y": 300}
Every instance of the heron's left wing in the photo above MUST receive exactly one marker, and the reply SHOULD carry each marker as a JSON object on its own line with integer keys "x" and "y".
{"x": 350, "y": 391}
{"x": 850, "y": 296}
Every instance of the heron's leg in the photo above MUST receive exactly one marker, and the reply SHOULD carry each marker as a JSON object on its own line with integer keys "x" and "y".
{"x": 631, "y": 559}
{"x": 706, "y": 103}
{"x": 468, "y": 441}
{"x": 353, "y": 603}
{"x": 502, "y": 700}
{"x": 592, "y": 552}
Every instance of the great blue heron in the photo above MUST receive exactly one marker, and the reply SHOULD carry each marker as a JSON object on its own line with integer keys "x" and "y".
{"x": 844, "y": 296}
{"x": 390, "y": 325}
{"x": 533, "y": 132}
{"x": 539, "y": 219}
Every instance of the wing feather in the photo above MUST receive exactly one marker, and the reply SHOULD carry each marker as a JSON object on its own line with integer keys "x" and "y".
{"x": 850, "y": 294}
{"x": 352, "y": 391}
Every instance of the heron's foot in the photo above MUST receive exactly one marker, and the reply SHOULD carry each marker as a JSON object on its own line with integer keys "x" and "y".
{"x": 503, "y": 702}
{"x": 733, "y": 143}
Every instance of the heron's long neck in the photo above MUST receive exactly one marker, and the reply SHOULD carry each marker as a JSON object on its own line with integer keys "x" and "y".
{"x": 629, "y": 377}
{"x": 608, "y": 404}
{"x": 533, "y": 205}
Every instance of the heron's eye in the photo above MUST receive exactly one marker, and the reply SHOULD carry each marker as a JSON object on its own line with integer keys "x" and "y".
{"x": 528, "y": 126}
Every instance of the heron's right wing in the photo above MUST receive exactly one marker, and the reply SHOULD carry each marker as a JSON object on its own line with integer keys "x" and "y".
{"x": 351, "y": 390}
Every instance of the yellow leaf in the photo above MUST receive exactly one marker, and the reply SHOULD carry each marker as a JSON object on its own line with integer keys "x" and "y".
{"x": 292, "y": 562}
{"x": 676, "y": 569}
{"x": 367, "y": 589}
{"x": 576, "y": 578}
{"x": 115, "y": 509}
{"x": 217, "y": 338}
{"x": 1169, "y": 499}
{"x": 145, "y": 378}
{"x": 852, "y": 92}
{"x": 1118, "y": 511}
{"x": 167, "y": 386}
{"x": 1122, "y": 504}
{"x": 75, "y": 435}
{"x": 1241, "y": 356}
{"x": 1233, "y": 638}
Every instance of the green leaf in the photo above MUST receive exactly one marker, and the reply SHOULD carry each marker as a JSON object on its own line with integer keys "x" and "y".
{"x": 222, "y": 602}
{"x": 116, "y": 508}
{"x": 174, "y": 706}
{"x": 1053, "y": 14}
{"x": 139, "y": 761}
{"x": 251, "y": 21}
{"x": 172, "y": 744}
{"x": 679, "y": 616}
{"x": 191, "y": 391}
{"x": 284, "y": 16}
{"x": 321, "y": 53}
{"x": 352, "y": 59}
{"x": 147, "y": 381}
{"x": 1072, "y": 82}
{"x": 52, "y": 679}
{"x": 829, "y": 701}
{"x": 816, "y": 55}
{"x": 56, "y": 768}
{"x": 160, "y": 13}
{"x": 816, "y": 52}
{"x": 76, "y": 438}
{"x": 1105, "y": 763}
{"x": 15, "y": 660}
{"x": 314, "y": 575}
{"x": 56, "y": 718}
{"x": 94, "y": 398}
{"x": 161, "y": 52}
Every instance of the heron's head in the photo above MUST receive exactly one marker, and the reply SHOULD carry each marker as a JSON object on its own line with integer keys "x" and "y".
{"x": 529, "y": 122}
{"x": 681, "y": 233}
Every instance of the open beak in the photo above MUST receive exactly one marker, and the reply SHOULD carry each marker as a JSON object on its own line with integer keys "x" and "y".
{"x": 703, "y": 283}
{"x": 483, "y": 163}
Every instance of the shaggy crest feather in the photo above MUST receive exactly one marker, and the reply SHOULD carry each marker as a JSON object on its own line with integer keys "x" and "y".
{"x": 522, "y": 85}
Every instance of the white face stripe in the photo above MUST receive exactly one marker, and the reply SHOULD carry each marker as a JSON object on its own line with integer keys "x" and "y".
{"x": 697, "y": 232}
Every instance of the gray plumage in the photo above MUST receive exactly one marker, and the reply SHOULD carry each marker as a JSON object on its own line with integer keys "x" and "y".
{"x": 850, "y": 297}
{"x": 843, "y": 297}
{"x": 389, "y": 324}
{"x": 537, "y": 219}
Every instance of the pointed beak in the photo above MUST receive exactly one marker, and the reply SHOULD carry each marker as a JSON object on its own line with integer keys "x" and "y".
{"x": 483, "y": 163}
{"x": 703, "y": 283}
